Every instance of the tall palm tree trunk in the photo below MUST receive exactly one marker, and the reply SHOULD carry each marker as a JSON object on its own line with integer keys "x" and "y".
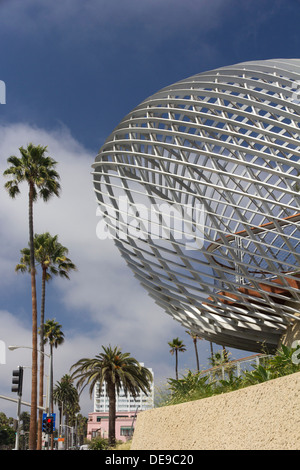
{"x": 111, "y": 391}
{"x": 51, "y": 391}
{"x": 211, "y": 351}
{"x": 32, "y": 431}
{"x": 41, "y": 381}
{"x": 196, "y": 352}
{"x": 176, "y": 363}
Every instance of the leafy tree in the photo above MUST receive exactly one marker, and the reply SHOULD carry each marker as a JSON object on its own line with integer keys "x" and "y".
{"x": 25, "y": 426}
{"x": 116, "y": 370}
{"x": 38, "y": 171}
{"x": 4, "y": 420}
{"x": 67, "y": 398}
{"x": 80, "y": 423}
{"x": 176, "y": 346}
{"x": 52, "y": 257}
{"x": 7, "y": 437}
{"x": 7, "y": 432}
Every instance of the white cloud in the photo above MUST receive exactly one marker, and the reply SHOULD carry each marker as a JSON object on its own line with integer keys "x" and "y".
{"x": 102, "y": 303}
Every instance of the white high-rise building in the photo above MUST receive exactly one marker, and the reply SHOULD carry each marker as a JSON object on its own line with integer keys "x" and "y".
{"x": 124, "y": 402}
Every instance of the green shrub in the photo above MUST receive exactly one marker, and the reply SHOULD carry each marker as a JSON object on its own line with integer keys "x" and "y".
{"x": 258, "y": 375}
{"x": 98, "y": 443}
{"x": 194, "y": 387}
{"x": 233, "y": 383}
{"x": 190, "y": 387}
{"x": 283, "y": 362}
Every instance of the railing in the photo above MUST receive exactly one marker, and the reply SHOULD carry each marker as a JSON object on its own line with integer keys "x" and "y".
{"x": 235, "y": 367}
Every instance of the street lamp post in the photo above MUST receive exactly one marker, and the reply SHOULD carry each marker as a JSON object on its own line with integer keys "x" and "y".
{"x": 68, "y": 433}
{"x": 61, "y": 414}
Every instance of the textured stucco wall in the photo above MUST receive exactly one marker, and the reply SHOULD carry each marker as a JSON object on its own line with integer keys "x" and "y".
{"x": 259, "y": 417}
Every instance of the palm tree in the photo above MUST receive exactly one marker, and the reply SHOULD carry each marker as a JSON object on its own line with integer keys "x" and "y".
{"x": 38, "y": 171}
{"x": 116, "y": 370}
{"x": 67, "y": 398}
{"x": 194, "y": 338}
{"x": 81, "y": 428}
{"x": 225, "y": 354}
{"x": 211, "y": 350}
{"x": 219, "y": 361}
{"x": 54, "y": 336}
{"x": 176, "y": 346}
{"x": 52, "y": 257}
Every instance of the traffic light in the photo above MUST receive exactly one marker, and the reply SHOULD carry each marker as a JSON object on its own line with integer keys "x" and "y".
{"x": 44, "y": 423}
{"x": 17, "y": 381}
{"x": 48, "y": 424}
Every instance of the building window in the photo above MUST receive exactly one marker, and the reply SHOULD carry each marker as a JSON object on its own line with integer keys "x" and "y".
{"x": 126, "y": 431}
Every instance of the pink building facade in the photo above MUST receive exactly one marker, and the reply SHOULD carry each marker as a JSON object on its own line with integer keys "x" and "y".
{"x": 98, "y": 425}
{"x": 127, "y": 407}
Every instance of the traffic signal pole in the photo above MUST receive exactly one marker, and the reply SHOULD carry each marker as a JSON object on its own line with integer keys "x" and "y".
{"x": 18, "y": 423}
{"x": 48, "y": 428}
{"x": 17, "y": 386}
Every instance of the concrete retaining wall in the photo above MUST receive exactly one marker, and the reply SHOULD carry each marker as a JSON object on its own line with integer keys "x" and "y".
{"x": 259, "y": 417}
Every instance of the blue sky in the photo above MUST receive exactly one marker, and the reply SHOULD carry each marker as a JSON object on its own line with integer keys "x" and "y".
{"x": 72, "y": 71}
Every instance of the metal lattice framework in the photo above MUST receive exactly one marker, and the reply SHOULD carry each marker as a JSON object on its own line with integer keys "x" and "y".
{"x": 221, "y": 151}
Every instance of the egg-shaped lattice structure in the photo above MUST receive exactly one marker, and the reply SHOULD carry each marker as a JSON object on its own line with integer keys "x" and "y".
{"x": 199, "y": 186}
